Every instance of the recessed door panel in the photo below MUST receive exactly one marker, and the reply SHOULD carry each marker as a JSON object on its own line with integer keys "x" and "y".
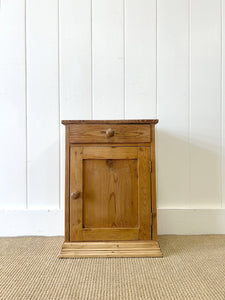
{"x": 109, "y": 193}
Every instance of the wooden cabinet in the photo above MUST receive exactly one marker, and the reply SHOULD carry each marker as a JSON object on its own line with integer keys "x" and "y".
{"x": 110, "y": 194}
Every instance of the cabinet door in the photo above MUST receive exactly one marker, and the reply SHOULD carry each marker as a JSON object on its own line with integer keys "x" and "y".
{"x": 110, "y": 196}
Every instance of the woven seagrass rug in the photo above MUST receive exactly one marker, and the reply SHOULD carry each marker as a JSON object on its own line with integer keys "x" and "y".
{"x": 193, "y": 267}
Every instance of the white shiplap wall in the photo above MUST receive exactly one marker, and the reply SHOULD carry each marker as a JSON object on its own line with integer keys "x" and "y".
{"x": 12, "y": 105}
{"x": 42, "y": 101}
{"x": 112, "y": 59}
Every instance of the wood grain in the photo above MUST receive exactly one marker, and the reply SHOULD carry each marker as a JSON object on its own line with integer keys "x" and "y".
{"x": 113, "y": 145}
{"x": 67, "y": 186}
{"x": 153, "y": 186}
{"x": 100, "y": 173}
{"x": 109, "y": 245}
{"x": 111, "y": 249}
{"x": 110, "y": 153}
{"x": 143, "y": 121}
{"x": 110, "y": 193}
{"x": 98, "y": 134}
{"x": 76, "y": 184}
{"x": 110, "y": 234}
{"x": 144, "y": 193}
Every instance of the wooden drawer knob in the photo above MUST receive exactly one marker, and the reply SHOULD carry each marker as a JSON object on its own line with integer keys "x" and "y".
{"x": 75, "y": 195}
{"x": 109, "y": 132}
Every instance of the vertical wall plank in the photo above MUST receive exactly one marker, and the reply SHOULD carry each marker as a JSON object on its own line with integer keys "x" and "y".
{"x": 223, "y": 104}
{"x": 75, "y": 59}
{"x": 12, "y": 105}
{"x": 75, "y": 66}
{"x": 140, "y": 59}
{"x": 172, "y": 91}
{"x": 205, "y": 39}
{"x": 42, "y": 107}
{"x": 108, "y": 59}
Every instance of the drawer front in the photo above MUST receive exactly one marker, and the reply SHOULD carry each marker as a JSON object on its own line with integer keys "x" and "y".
{"x": 110, "y": 133}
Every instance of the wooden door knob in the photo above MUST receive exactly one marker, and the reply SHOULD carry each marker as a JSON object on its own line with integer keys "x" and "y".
{"x": 109, "y": 132}
{"x": 75, "y": 195}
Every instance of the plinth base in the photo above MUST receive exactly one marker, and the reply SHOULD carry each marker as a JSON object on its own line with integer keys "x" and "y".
{"x": 111, "y": 249}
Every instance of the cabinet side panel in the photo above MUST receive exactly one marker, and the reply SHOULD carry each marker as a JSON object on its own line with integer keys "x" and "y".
{"x": 153, "y": 185}
{"x": 67, "y": 185}
{"x": 144, "y": 193}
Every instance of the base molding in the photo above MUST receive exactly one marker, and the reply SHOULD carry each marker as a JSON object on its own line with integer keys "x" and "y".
{"x": 44, "y": 222}
{"x": 191, "y": 221}
{"x": 111, "y": 249}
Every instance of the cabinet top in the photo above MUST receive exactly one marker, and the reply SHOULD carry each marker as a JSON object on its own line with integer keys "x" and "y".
{"x": 146, "y": 121}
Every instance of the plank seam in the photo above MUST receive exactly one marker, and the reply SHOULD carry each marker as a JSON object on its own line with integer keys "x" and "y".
{"x": 189, "y": 101}
{"x": 222, "y": 110}
{"x": 156, "y": 104}
{"x": 124, "y": 60}
{"x": 91, "y": 36}
{"x": 25, "y": 75}
{"x": 59, "y": 107}
{"x": 156, "y": 58}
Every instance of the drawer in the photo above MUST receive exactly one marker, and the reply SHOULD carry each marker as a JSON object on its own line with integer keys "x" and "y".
{"x": 109, "y": 133}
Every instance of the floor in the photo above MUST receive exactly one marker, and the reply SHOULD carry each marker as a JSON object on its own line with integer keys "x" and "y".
{"x": 193, "y": 267}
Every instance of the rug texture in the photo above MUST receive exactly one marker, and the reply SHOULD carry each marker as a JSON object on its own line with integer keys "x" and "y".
{"x": 193, "y": 267}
